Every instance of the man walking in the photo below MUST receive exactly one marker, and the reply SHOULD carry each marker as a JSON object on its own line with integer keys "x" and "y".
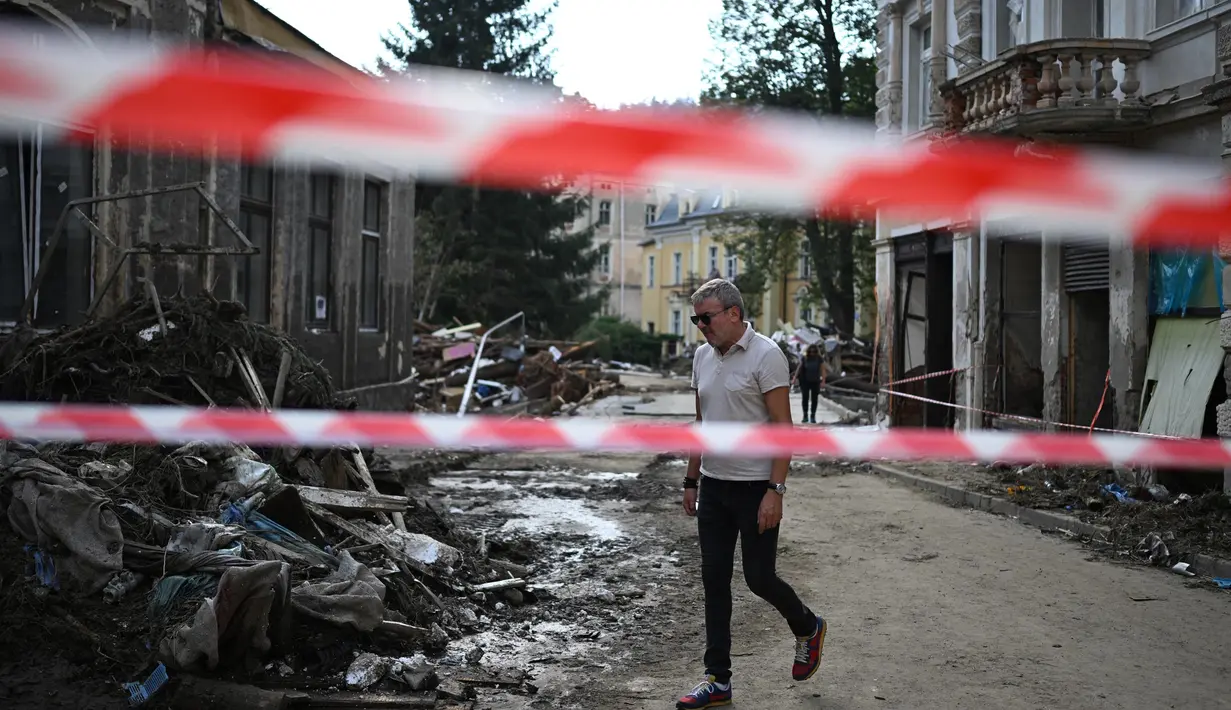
{"x": 740, "y": 375}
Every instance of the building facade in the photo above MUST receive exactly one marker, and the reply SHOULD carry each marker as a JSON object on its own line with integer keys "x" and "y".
{"x": 1078, "y": 333}
{"x": 619, "y": 213}
{"x": 334, "y": 249}
{"x": 683, "y": 249}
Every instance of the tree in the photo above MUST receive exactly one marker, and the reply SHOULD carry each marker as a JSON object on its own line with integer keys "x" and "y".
{"x": 483, "y": 254}
{"x": 812, "y": 56}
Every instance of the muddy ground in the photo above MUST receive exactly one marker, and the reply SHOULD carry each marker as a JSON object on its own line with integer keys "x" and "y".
{"x": 930, "y": 606}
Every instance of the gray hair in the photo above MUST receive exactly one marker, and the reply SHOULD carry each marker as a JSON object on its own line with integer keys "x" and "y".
{"x": 727, "y": 293}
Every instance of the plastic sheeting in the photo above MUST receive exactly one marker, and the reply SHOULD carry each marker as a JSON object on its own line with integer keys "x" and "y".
{"x": 1175, "y": 275}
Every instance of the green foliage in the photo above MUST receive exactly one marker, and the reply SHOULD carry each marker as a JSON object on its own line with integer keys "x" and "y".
{"x": 484, "y": 254}
{"x": 812, "y": 56}
{"x": 621, "y": 340}
{"x": 767, "y": 246}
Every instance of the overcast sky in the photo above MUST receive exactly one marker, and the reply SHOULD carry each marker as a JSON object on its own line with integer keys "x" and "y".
{"x": 609, "y": 51}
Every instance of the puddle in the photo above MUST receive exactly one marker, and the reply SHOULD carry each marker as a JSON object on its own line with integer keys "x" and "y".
{"x": 536, "y": 515}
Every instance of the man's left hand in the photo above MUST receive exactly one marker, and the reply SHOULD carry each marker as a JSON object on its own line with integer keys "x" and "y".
{"x": 770, "y": 513}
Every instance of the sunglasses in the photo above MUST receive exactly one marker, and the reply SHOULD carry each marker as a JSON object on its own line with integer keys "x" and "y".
{"x": 706, "y": 317}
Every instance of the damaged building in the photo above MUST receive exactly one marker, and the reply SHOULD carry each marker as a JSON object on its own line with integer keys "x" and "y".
{"x": 325, "y": 256}
{"x": 1047, "y": 332}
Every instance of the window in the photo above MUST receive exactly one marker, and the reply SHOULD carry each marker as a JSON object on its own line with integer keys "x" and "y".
{"x": 805, "y": 314}
{"x": 805, "y": 261}
{"x": 373, "y": 227}
{"x": 320, "y": 245}
{"x": 649, "y": 270}
{"x": 677, "y": 322}
{"x": 651, "y": 213}
{"x": 732, "y": 265}
{"x": 38, "y": 178}
{"x": 1168, "y": 11}
{"x": 604, "y": 213}
{"x": 256, "y": 221}
{"x": 604, "y": 259}
{"x": 712, "y": 268}
{"x": 649, "y": 327}
{"x": 677, "y": 268}
{"x": 1085, "y": 18}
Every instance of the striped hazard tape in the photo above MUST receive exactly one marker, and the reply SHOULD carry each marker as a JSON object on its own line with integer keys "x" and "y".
{"x": 175, "y": 425}
{"x": 474, "y": 127}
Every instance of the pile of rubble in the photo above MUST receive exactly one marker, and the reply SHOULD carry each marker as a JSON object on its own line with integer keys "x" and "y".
{"x": 539, "y": 376}
{"x": 223, "y": 561}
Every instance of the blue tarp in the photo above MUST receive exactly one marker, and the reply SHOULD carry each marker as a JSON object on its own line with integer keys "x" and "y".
{"x": 1174, "y": 276}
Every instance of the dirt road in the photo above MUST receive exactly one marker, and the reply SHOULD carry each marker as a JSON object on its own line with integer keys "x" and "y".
{"x": 929, "y": 606}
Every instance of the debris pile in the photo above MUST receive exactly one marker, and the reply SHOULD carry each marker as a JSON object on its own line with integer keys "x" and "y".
{"x": 221, "y": 560}
{"x": 540, "y": 375}
{"x": 197, "y": 351}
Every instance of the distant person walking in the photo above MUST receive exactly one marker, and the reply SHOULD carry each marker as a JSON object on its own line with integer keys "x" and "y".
{"x": 810, "y": 375}
{"x": 740, "y": 376}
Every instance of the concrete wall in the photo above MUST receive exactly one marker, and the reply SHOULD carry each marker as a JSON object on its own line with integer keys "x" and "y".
{"x": 354, "y": 356}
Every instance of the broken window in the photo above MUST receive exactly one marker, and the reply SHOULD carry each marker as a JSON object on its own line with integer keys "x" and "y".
{"x": 38, "y": 178}
{"x": 256, "y": 221}
{"x": 373, "y": 228}
{"x": 320, "y": 263}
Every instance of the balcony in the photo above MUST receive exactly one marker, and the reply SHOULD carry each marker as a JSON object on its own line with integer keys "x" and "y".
{"x": 1056, "y": 87}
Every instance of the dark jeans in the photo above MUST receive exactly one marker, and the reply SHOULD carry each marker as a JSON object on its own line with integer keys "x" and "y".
{"x": 727, "y": 509}
{"x": 809, "y": 393}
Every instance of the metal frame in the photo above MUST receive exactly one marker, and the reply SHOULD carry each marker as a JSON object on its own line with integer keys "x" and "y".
{"x": 148, "y": 249}
{"x": 474, "y": 368}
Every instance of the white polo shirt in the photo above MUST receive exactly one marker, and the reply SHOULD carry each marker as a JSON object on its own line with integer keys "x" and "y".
{"x": 732, "y": 388}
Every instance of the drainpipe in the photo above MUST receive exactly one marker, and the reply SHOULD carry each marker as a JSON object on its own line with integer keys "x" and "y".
{"x": 621, "y": 250}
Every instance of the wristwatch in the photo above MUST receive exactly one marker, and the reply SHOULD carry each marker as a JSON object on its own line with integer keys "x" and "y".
{"x": 779, "y": 488}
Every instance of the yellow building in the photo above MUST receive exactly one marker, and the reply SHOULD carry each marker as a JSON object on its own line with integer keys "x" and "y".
{"x": 683, "y": 250}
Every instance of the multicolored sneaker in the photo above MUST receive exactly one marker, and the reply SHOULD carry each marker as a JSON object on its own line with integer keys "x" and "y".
{"x": 709, "y": 693}
{"x": 808, "y": 652}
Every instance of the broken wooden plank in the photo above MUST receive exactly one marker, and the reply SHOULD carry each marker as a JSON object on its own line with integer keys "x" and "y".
{"x": 498, "y": 585}
{"x": 284, "y": 369}
{"x": 351, "y": 500}
{"x": 405, "y": 631}
{"x": 370, "y": 535}
{"x": 365, "y": 477}
{"x": 366, "y": 701}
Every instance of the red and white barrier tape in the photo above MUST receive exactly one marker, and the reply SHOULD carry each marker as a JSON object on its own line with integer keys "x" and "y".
{"x": 176, "y": 425}
{"x": 920, "y": 378}
{"x": 468, "y": 127}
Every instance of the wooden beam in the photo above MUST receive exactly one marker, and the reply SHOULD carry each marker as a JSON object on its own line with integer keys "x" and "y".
{"x": 339, "y": 499}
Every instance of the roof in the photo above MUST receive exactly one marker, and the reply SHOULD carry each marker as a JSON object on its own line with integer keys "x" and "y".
{"x": 709, "y": 204}
{"x": 251, "y": 19}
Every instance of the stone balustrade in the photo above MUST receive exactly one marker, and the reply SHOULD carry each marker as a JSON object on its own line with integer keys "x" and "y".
{"x": 1054, "y": 86}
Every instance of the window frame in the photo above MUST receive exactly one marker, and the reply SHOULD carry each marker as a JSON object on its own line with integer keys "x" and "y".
{"x": 252, "y": 205}
{"x": 604, "y": 213}
{"x": 731, "y": 272}
{"x": 651, "y": 214}
{"x": 1155, "y": 6}
{"x": 372, "y": 233}
{"x": 649, "y": 271}
{"x": 321, "y": 221}
{"x": 677, "y": 268}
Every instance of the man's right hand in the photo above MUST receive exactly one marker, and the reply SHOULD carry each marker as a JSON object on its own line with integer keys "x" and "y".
{"x": 690, "y": 502}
